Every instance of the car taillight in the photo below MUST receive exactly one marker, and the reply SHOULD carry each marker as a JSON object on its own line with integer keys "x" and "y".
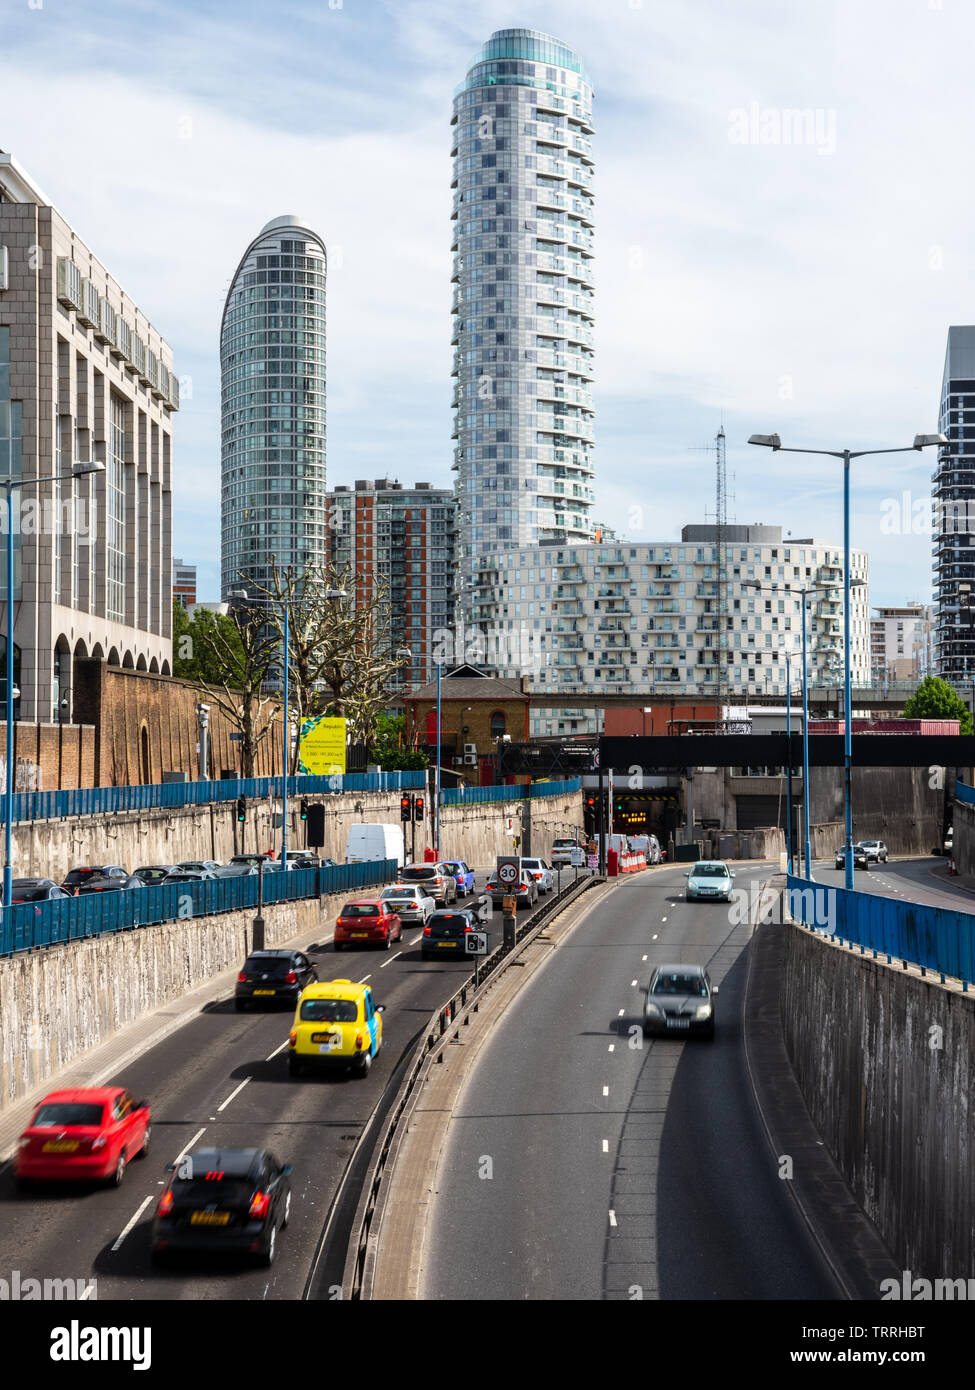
{"x": 291, "y": 978}
{"x": 426, "y": 931}
{"x": 260, "y": 1205}
{"x": 358, "y": 1042}
{"x": 166, "y": 1203}
{"x": 241, "y": 978}
{"x": 292, "y": 1037}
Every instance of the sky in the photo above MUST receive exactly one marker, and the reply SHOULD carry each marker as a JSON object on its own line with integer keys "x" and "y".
{"x": 783, "y": 205}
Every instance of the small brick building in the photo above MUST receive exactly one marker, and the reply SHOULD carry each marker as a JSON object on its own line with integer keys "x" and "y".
{"x": 476, "y": 711}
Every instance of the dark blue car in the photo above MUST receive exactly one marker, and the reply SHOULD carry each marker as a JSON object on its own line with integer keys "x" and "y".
{"x": 463, "y": 876}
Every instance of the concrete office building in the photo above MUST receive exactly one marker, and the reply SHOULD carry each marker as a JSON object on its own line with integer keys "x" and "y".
{"x": 84, "y": 376}
{"x": 522, "y": 241}
{"x": 184, "y": 583}
{"x": 953, "y": 495}
{"x": 901, "y": 642}
{"x": 641, "y": 619}
{"x": 407, "y": 537}
{"x": 272, "y": 364}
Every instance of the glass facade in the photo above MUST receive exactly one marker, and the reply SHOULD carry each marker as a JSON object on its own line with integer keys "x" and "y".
{"x": 523, "y": 308}
{"x": 272, "y": 359}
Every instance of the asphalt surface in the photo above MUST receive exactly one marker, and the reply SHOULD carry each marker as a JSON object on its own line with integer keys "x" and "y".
{"x": 911, "y": 880}
{"x": 223, "y": 1080}
{"x": 579, "y": 1166}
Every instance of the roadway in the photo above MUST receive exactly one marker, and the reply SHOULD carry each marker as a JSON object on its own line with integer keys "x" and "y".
{"x": 223, "y": 1080}
{"x": 618, "y": 1172}
{"x": 923, "y": 880}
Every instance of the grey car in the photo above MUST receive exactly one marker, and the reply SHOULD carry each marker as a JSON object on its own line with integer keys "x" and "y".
{"x": 680, "y": 1000}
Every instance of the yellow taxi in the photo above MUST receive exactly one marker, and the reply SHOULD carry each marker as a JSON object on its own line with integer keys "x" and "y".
{"x": 336, "y": 1023}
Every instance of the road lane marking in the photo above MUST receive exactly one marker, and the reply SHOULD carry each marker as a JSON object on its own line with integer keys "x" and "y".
{"x": 190, "y": 1144}
{"x": 390, "y": 961}
{"x": 632, "y": 982}
{"x": 135, "y": 1218}
{"x": 654, "y": 937}
{"x": 612, "y": 1217}
{"x": 235, "y": 1092}
{"x": 643, "y": 957}
{"x": 605, "y": 1146}
{"x": 277, "y": 1050}
{"x": 612, "y": 1047}
{"x": 605, "y": 1090}
{"x": 88, "y": 1290}
{"x": 621, "y": 1013}
{"x": 365, "y": 978}
{"x": 663, "y": 919}
{"x": 418, "y": 937}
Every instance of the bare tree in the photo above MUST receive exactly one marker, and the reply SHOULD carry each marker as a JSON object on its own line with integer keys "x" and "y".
{"x": 244, "y": 663}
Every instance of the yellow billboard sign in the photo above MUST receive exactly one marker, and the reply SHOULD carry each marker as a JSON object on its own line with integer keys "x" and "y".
{"x": 321, "y": 750}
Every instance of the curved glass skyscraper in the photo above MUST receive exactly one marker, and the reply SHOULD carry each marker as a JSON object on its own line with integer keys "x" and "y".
{"x": 523, "y": 307}
{"x": 272, "y": 363}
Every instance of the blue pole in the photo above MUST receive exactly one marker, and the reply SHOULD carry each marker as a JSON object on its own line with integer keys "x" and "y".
{"x": 847, "y": 690}
{"x": 436, "y": 833}
{"x": 287, "y": 750}
{"x": 9, "y": 797}
{"x": 805, "y": 740}
{"x": 788, "y": 780}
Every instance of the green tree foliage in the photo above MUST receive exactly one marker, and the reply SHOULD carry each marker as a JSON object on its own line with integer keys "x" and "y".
{"x": 202, "y": 643}
{"x": 935, "y": 699}
{"x": 388, "y": 749}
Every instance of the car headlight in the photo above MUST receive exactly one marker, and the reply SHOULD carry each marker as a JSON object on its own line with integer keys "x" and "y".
{"x": 653, "y": 1009}
{"x": 703, "y": 1011}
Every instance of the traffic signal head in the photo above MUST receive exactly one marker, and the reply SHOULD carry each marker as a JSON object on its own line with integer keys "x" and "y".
{"x": 404, "y": 808}
{"x": 241, "y": 808}
{"x": 304, "y": 809}
{"x": 418, "y": 812}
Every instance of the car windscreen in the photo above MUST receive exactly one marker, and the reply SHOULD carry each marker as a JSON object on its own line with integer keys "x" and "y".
{"x": 401, "y": 894}
{"x": 360, "y": 910}
{"x": 679, "y": 984}
{"x": 709, "y": 871}
{"x": 267, "y": 965}
{"x": 455, "y": 921}
{"x": 63, "y": 1113}
{"x": 234, "y": 871}
{"x": 565, "y": 843}
{"x": 329, "y": 1011}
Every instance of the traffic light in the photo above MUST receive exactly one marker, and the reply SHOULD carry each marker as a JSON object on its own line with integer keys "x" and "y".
{"x": 418, "y": 808}
{"x": 241, "y": 808}
{"x": 304, "y": 808}
{"x": 405, "y": 804}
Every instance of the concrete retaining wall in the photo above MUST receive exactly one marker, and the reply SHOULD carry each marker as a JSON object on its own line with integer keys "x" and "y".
{"x": 886, "y": 1064}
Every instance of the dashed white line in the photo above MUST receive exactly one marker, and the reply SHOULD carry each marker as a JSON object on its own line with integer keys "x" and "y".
{"x": 390, "y": 961}
{"x": 654, "y": 937}
{"x": 612, "y": 1217}
{"x": 190, "y": 1144}
{"x": 643, "y": 957}
{"x": 663, "y": 919}
{"x": 277, "y": 1050}
{"x": 413, "y": 940}
{"x": 364, "y": 979}
{"x": 621, "y": 1013}
{"x": 235, "y": 1092}
{"x": 605, "y": 1090}
{"x": 605, "y": 1146}
{"x": 135, "y": 1218}
{"x": 632, "y": 982}
{"x": 612, "y": 1047}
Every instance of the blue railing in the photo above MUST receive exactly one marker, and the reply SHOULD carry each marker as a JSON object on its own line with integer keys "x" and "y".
{"x": 107, "y": 801}
{"x": 29, "y": 925}
{"x": 461, "y": 796}
{"x": 935, "y": 938}
{"x": 965, "y": 793}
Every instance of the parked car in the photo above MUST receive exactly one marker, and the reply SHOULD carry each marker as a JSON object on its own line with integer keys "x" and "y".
{"x": 446, "y": 932}
{"x": 300, "y": 859}
{"x": 151, "y": 874}
{"x": 35, "y": 890}
{"x": 541, "y": 873}
{"x": 875, "y": 850}
{"x": 860, "y": 859}
{"x": 273, "y": 977}
{"x": 198, "y": 864}
{"x": 264, "y": 859}
{"x": 525, "y": 890}
{"x": 89, "y": 1133}
{"x": 709, "y": 878}
{"x": 680, "y": 999}
{"x": 463, "y": 876}
{"x": 236, "y": 871}
{"x": 223, "y": 1199}
{"x": 191, "y": 875}
{"x": 336, "y": 1024}
{"x": 109, "y": 884}
{"x": 409, "y": 900}
{"x": 435, "y": 878}
{"x": 76, "y": 877}
{"x": 367, "y": 921}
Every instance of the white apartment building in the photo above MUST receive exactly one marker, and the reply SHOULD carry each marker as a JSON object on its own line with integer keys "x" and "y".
{"x": 902, "y": 641}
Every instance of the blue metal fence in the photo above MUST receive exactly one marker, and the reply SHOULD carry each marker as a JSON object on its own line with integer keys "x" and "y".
{"x": 29, "y": 925}
{"x": 460, "y": 796}
{"x": 935, "y": 938}
{"x": 107, "y": 801}
{"x": 963, "y": 792}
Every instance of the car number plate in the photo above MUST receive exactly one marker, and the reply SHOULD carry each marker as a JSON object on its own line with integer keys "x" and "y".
{"x": 209, "y": 1218}
{"x": 678, "y": 1023}
{"x": 359, "y": 935}
{"x": 332, "y": 1046}
{"x": 446, "y": 943}
{"x": 265, "y": 991}
{"x": 64, "y": 1146}
{"x": 325, "y": 1037}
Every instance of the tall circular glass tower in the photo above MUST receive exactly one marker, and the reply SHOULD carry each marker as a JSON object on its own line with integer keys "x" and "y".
{"x": 523, "y": 306}
{"x": 272, "y": 364}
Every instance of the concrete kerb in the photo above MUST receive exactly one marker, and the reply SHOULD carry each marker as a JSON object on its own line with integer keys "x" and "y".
{"x": 848, "y": 1241}
{"x": 100, "y": 1063}
{"x": 393, "y": 1254}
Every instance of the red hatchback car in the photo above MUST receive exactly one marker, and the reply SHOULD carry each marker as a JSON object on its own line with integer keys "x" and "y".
{"x": 88, "y": 1134}
{"x": 367, "y": 921}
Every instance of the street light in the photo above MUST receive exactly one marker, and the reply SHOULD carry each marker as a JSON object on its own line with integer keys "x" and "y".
{"x": 78, "y": 470}
{"x": 921, "y": 441}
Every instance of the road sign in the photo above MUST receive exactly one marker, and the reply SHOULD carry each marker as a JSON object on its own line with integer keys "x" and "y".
{"x": 476, "y": 943}
{"x": 578, "y": 859}
{"x": 322, "y": 745}
{"x": 594, "y": 861}
{"x": 508, "y": 871}
{"x": 236, "y": 738}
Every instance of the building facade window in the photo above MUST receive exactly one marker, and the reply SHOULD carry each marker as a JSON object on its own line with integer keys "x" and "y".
{"x": 115, "y": 514}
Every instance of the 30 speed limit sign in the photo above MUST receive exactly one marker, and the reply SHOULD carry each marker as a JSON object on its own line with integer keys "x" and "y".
{"x": 508, "y": 873}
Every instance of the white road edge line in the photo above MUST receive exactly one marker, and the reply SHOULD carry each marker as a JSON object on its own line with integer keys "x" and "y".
{"x": 135, "y": 1218}
{"x": 190, "y": 1144}
{"x": 612, "y": 1217}
{"x": 365, "y": 978}
{"x": 391, "y": 959}
{"x": 277, "y": 1050}
{"x": 605, "y": 1146}
{"x": 235, "y": 1092}
{"x": 605, "y": 1090}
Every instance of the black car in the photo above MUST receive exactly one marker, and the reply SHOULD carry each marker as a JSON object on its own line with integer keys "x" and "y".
{"x": 680, "y": 1000}
{"x": 151, "y": 874}
{"x": 445, "y": 933}
{"x": 76, "y": 877}
{"x": 35, "y": 890}
{"x": 233, "y": 1200}
{"x": 273, "y": 977}
{"x": 861, "y": 860}
{"x": 108, "y": 883}
{"x": 264, "y": 859}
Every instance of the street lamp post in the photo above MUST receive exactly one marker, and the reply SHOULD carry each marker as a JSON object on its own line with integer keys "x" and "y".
{"x": 921, "y": 441}
{"x": 78, "y": 471}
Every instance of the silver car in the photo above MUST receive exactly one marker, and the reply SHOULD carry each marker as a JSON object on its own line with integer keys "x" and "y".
{"x": 875, "y": 850}
{"x": 540, "y": 872}
{"x": 410, "y": 901}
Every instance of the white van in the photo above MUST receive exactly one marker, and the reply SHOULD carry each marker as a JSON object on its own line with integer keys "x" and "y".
{"x": 375, "y": 841}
